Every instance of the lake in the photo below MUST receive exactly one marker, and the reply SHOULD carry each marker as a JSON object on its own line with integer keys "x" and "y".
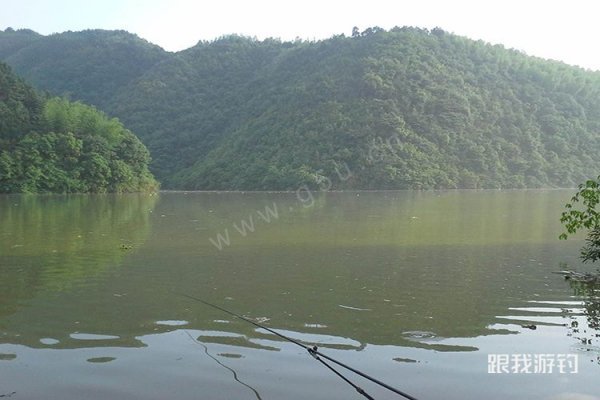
{"x": 426, "y": 291}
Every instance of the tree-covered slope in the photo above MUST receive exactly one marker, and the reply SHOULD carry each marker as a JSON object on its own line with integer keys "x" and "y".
{"x": 11, "y": 41}
{"x": 406, "y": 108}
{"x": 53, "y": 145}
{"x": 88, "y": 66}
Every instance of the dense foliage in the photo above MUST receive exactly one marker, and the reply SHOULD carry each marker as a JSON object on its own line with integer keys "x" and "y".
{"x": 89, "y": 66}
{"x": 61, "y": 147}
{"x": 406, "y": 108}
{"x": 582, "y": 213}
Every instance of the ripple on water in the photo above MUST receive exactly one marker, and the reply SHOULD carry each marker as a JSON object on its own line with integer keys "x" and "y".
{"x": 172, "y": 322}
{"x": 49, "y": 341}
{"x": 231, "y": 355}
{"x": 405, "y": 360}
{"x": 99, "y": 360}
{"x": 419, "y": 335}
{"x": 92, "y": 336}
{"x": 7, "y": 356}
{"x": 317, "y": 338}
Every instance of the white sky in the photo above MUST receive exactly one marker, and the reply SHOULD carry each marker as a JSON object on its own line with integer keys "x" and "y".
{"x": 561, "y": 30}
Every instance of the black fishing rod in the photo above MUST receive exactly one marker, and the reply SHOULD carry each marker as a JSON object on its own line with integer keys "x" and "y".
{"x": 313, "y": 351}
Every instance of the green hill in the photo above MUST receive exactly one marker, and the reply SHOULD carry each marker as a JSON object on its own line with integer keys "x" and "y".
{"x": 89, "y": 66}
{"x": 406, "y": 108}
{"x": 55, "y": 146}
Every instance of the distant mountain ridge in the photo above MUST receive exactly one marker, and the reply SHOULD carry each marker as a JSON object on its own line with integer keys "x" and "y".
{"x": 89, "y": 65}
{"x": 405, "y": 108}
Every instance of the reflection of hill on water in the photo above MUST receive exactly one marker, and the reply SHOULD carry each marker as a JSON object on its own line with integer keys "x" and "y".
{"x": 51, "y": 243}
{"x": 587, "y": 331}
{"x": 352, "y": 266}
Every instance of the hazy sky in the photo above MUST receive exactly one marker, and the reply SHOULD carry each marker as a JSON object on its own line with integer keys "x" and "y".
{"x": 561, "y": 30}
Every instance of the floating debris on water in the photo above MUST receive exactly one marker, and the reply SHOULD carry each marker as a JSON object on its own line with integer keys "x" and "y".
{"x": 320, "y": 326}
{"x": 585, "y": 277}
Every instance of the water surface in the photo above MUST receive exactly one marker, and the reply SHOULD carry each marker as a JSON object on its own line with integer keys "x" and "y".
{"x": 414, "y": 288}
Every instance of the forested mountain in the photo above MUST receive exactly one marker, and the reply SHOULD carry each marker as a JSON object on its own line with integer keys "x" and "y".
{"x": 53, "y": 145}
{"x": 406, "y": 108}
{"x": 89, "y": 66}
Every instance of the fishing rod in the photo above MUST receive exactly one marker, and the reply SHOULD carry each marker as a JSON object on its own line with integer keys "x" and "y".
{"x": 315, "y": 353}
